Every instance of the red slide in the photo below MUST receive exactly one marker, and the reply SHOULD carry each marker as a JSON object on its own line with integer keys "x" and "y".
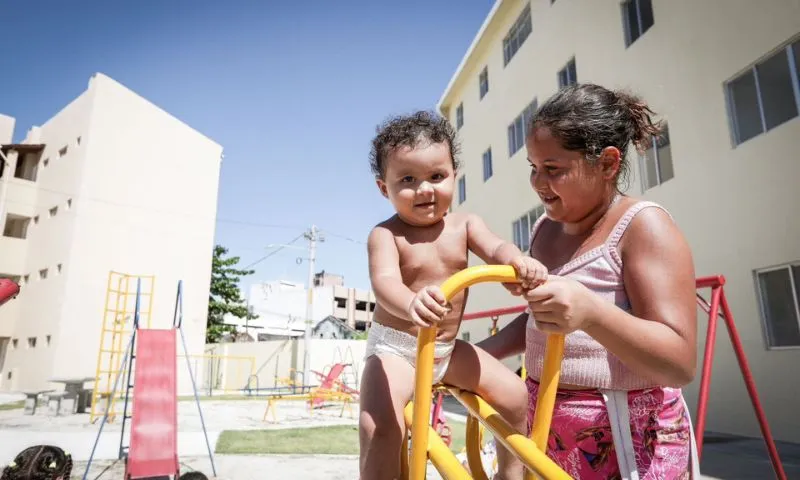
{"x": 154, "y": 423}
{"x": 8, "y": 290}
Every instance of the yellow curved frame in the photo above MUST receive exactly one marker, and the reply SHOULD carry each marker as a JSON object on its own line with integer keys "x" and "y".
{"x": 425, "y": 443}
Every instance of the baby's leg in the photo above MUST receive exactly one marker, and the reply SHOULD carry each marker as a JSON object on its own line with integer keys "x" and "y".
{"x": 387, "y": 386}
{"x": 474, "y": 370}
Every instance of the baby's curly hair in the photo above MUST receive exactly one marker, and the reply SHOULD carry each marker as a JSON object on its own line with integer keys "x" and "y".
{"x": 411, "y": 131}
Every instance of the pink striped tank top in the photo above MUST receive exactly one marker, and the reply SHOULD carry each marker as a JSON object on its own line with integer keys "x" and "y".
{"x": 586, "y": 362}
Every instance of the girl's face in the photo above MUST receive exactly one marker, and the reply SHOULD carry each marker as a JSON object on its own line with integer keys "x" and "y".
{"x": 569, "y": 187}
{"x": 419, "y": 182}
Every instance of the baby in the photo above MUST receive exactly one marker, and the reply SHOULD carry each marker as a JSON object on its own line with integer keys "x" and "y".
{"x": 410, "y": 254}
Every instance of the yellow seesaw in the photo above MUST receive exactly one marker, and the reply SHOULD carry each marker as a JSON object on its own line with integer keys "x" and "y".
{"x": 425, "y": 443}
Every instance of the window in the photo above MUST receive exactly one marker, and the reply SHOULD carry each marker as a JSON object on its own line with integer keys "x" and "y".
{"x": 48, "y": 338}
{"x": 465, "y": 336}
{"x": 53, "y": 212}
{"x": 487, "y": 164}
{"x": 69, "y": 203}
{"x": 462, "y": 190}
{"x": 62, "y": 152}
{"x": 31, "y": 342}
{"x": 766, "y": 95}
{"x": 16, "y": 226}
{"x": 14, "y": 343}
{"x": 656, "y": 163}
{"x": 568, "y": 75}
{"x": 637, "y": 18}
{"x": 517, "y": 34}
{"x": 460, "y": 116}
{"x": 483, "y": 82}
{"x": 43, "y": 274}
{"x": 59, "y": 267}
{"x": 516, "y": 130}
{"x": 778, "y": 291}
{"x": 27, "y": 166}
{"x": 521, "y": 228}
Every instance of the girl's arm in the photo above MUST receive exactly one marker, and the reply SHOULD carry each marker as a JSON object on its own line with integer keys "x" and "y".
{"x": 508, "y": 341}
{"x": 384, "y": 273}
{"x": 658, "y": 337}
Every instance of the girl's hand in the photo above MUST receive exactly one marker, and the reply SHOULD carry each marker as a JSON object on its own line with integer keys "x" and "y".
{"x": 428, "y": 307}
{"x": 561, "y": 305}
{"x": 530, "y": 272}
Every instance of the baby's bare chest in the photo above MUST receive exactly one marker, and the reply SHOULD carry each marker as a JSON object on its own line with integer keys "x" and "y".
{"x": 432, "y": 260}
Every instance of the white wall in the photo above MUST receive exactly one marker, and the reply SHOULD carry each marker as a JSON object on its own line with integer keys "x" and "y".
{"x": 277, "y": 358}
{"x": 6, "y": 128}
{"x": 282, "y": 306}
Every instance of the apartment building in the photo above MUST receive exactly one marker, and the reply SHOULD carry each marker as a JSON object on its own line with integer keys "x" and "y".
{"x": 281, "y": 305}
{"x": 724, "y": 76}
{"x": 111, "y": 182}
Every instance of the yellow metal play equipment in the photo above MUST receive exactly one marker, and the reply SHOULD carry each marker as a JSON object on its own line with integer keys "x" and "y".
{"x": 117, "y": 327}
{"x": 426, "y": 444}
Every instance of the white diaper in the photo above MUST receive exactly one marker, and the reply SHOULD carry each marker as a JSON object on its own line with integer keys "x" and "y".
{"x": 382, "y": 339}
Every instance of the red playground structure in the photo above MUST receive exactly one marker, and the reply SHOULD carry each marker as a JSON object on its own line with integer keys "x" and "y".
{"x": 8, "y": 290}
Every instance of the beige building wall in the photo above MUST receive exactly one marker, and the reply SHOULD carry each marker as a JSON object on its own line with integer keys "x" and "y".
{"x": 123, "y": 186}
{"x": 734, "y": 202}
{"x": 353, "y": 305}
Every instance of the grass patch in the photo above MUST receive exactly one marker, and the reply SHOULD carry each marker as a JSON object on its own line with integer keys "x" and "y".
{"x": 12, "y": 405}
{"x": 339, "y": 439}
{"x": 335, "y": 440}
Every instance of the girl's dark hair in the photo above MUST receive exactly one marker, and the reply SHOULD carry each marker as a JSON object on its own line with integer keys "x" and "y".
{"x": 410, "y": 131}
{"x": 41, "y": 462}
{"x": 588, "y": 118}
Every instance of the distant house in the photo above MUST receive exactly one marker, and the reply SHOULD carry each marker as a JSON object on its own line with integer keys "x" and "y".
{"x": 332, "y": 327}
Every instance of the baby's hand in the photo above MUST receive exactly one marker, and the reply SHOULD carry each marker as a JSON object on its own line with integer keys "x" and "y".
{"x": 428, "y": 307}
{"x": 530, "y": 272}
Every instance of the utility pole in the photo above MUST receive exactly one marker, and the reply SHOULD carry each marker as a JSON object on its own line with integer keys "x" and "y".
{"x": 313, "y": 235}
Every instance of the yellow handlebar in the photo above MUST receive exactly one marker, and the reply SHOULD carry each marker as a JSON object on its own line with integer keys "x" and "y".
{"x": 424, "y": 369}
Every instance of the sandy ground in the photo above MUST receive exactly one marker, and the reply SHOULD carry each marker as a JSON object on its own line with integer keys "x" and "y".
{"x": 724, "y": 457}
{"x": 252, "y": 467}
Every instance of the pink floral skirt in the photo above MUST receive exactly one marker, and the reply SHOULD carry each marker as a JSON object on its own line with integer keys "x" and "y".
{"x": 580, "y": 439}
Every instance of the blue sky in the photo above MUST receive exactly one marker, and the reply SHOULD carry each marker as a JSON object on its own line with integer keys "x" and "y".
{"x": 291, "y": 90}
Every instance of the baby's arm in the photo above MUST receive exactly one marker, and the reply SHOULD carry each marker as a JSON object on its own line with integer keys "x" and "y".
{"x": 384, "y": 273}
{"x": 493, "y": 249}
{"x": 421, "y": 308}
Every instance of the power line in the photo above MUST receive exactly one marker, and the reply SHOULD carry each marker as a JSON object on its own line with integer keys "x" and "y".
{"x": 344, "y": 237}
{"x": 281, "y": 247}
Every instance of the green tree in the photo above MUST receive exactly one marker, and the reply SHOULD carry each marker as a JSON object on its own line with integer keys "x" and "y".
{"x": 225, "y": 296}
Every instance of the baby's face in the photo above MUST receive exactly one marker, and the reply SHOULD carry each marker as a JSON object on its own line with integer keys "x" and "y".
{"x": 419, "y": 182}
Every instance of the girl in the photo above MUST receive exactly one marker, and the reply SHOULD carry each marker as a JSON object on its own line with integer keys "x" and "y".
{"x": 41, "y": 462}
{"x": 621, "y": 287}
